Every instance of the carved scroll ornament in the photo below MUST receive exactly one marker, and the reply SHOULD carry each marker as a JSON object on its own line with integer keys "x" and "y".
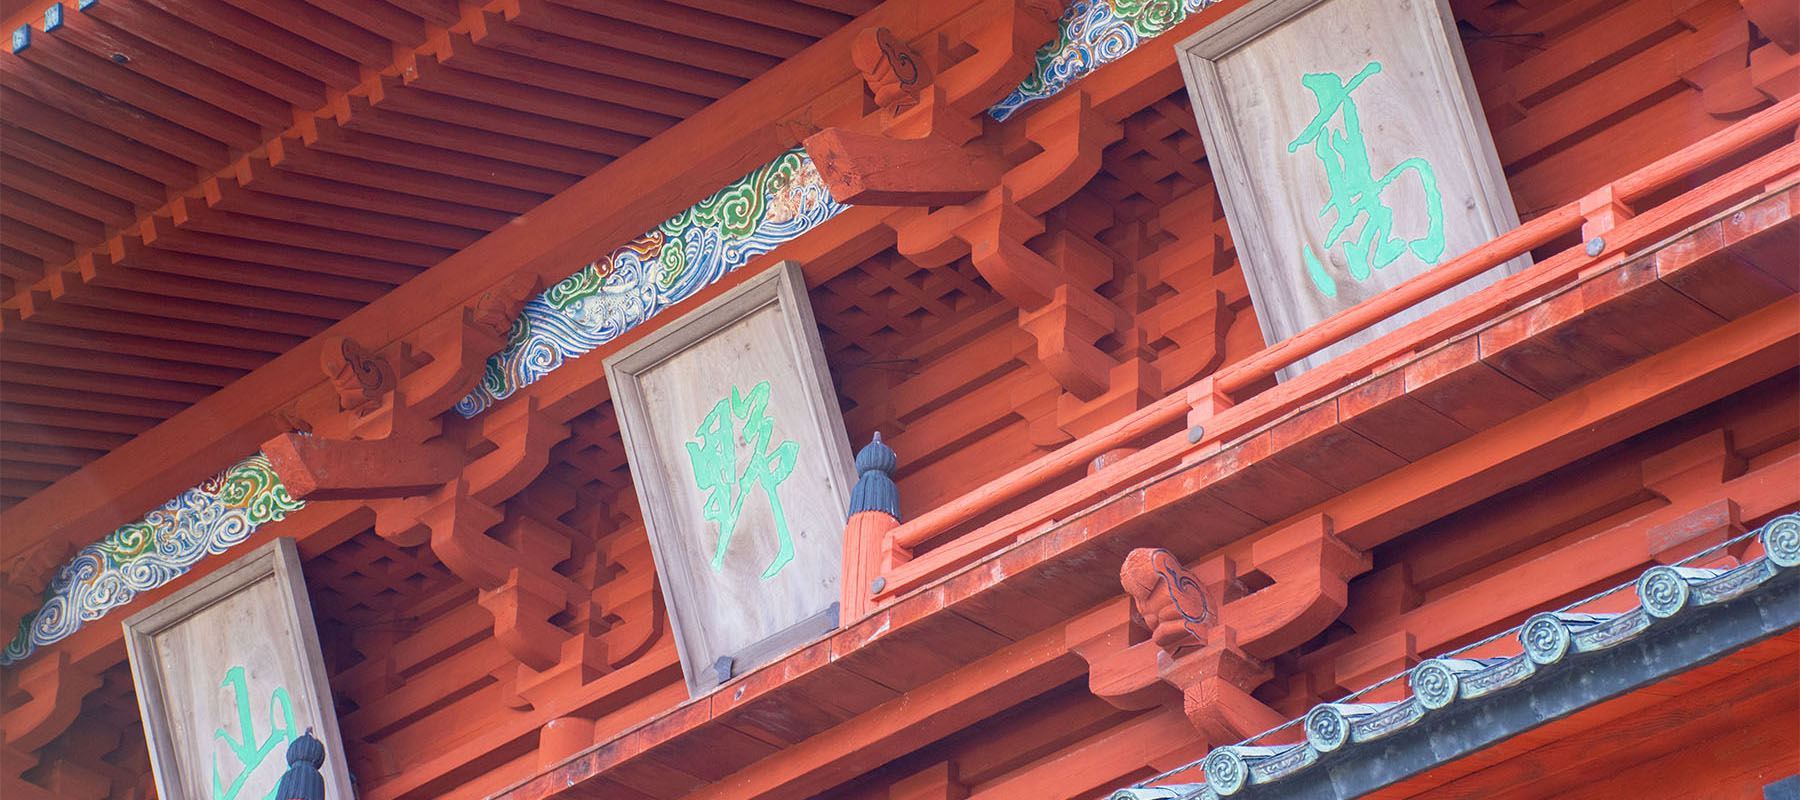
{"x": 1168, "y": 598}
{"x": 893, "y": 70}
{"x": 359, "y": 375}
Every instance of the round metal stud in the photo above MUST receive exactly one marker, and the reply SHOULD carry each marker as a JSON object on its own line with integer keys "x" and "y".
{"x": 1595, "y": 246}
{"x": 1195, "y": 434}
{"x": 875, "y": 586}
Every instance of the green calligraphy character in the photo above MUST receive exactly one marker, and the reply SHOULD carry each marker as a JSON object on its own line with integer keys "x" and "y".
{"x": 715, "y": 458}
{"x": 244, "y": 747}
{"x": 1356, "y": 192}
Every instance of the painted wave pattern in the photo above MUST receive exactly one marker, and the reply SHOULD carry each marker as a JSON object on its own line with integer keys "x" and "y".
{"x": 1092, "y": 33}
{"x": 208, "y": 519}
{"x": 606, "y": 298}
{"x": 690, "y": 251}
{"x": 760, "y": 211}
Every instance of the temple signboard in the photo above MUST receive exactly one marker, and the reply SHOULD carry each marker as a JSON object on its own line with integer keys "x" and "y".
{"x": 743, "y": 471}
{"x": 228, "y": 673}
{"x": 1350, "y": 154}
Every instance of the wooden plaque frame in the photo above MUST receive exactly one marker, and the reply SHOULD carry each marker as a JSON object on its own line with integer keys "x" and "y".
{"x": 276, "y": 563}
{"x": 665, "y": 488}
{"x": 1251, "y": 194}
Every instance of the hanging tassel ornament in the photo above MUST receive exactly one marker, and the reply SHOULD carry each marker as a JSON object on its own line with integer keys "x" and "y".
{"x": 302, "y": 780}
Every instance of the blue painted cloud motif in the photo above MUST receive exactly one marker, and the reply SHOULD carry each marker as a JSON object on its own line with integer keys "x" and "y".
{"x": 205, "y": 520}
{"x": 1092, "y": 33}
{"x": 599, "y": 302}
{"x": 659, "y": 269}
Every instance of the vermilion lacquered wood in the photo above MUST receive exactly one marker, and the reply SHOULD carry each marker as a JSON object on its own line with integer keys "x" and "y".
{"x": 129, "y": 253}
{"x": 685, "y": 20}
{"x": 561, "y": 103}
{"x": 258, "y": 35}
{"x": 54, "y": 187}
{"x": 149, "y": 96}
{"x": 743, "y": 134}
{"x": 109, "y": 180}
{"x": 437, "y": 697}
{"x": 208, "y": 360}
{"x": 407, "y": 100}
{"x": 665, "y": 45}
{"x": 267, "y": 179}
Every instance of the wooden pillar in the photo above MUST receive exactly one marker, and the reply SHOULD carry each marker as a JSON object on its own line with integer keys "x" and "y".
{"x": 874, "y": 513}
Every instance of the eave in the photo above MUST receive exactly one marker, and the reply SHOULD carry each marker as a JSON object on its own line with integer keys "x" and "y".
{"x": 1570, "y": 662}
{"x": 679, "y": 166}
{"x": 1021, "y": 579}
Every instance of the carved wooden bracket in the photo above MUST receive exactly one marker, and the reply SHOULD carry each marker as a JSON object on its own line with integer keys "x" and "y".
{"x": 24, "y": 579}
{"x": 924, "y": 156}
{"x": 872, "y": 169}
{"x": 56, "y": 687}
{"x": 515, "y": 566}
{"x": 1168, "y": 599}
{"x": 1210, "y": 638}
{"x": 427, "y": 487}
{"x": 894, "y": 71}
{"x": 1006, "y": 40}
{"x": 360, "y": 376}
{"x": 314, "y": 468}
{"x": 1745, "y": 73}
{"x": 1054, "y": 285}
{"x": 915, "y": 149}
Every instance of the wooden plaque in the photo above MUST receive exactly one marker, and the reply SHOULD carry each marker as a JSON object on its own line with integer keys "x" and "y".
{"x": 228, "y": 673}
{"x": 1350, "y": 153}
{"x": 738, "y": 452}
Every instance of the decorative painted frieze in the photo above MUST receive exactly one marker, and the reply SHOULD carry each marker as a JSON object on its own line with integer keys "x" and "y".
{"x": 1090, "y": 34}
{"x": 688, "y": 252}
{"x": 207, "y": 519}
{"x": 772, "y": 205}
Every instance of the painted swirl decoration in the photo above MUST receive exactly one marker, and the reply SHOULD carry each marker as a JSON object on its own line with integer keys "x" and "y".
{"x": 690, "y": 251}
{"x": 1092, "y": 33}
{"x": 693, "y": 249}
{"x": 209, "y": 519}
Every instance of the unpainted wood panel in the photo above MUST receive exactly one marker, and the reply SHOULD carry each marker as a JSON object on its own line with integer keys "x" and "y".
{"x": 228, "y": 674}
{"x": 734, "y": 437}
{"x": 1350, "y": 154}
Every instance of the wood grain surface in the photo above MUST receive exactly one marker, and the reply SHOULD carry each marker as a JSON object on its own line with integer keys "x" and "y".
{"x": 224, "y": 652}
{"x": 1245, "y": 78}
{"x": 667, "y": 388}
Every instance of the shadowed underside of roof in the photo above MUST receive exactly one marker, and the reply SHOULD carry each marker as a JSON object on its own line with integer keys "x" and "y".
{"x": 192, "y": 187}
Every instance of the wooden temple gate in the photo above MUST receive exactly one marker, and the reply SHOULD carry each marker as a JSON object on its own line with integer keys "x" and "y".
{"x": 307, "y": 230}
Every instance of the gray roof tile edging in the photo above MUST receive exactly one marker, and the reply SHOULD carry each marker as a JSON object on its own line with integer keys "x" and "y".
{"x": 1685, "y": 617}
